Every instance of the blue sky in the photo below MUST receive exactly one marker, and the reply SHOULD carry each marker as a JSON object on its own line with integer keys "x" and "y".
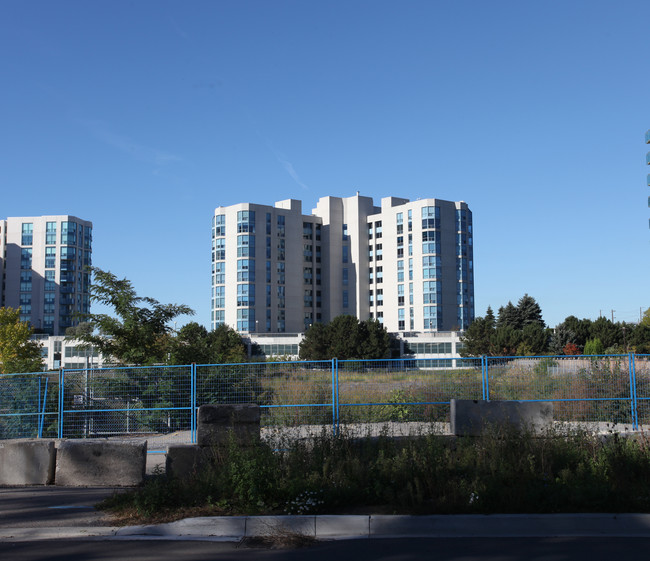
{"x": 144, "y": 116}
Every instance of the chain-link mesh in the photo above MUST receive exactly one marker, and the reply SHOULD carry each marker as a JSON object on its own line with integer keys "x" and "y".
{"x": 126, "y": 401}
{"x": 290, "y": 393}
{"x": 29, "y": 405}
{"x": 642, "y": 375}
{"x": 582, "y": 388}
{"x": 162, "y": 400}
{"x": 405, "y": 390}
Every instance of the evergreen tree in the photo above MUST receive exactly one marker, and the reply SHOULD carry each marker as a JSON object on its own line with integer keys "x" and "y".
{"x": 529, "y": 312}
{"x": 509, "y": 316}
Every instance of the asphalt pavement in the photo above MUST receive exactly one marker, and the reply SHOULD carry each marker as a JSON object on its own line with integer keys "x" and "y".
{"x": 45, "y": 513}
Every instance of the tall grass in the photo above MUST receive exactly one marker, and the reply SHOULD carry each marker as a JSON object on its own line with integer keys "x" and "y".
{"x": 501, "y": 472}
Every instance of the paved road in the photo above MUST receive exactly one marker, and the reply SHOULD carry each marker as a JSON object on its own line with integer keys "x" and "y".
{"x": 35, "y": 507}
{"x": 474, "y": 549}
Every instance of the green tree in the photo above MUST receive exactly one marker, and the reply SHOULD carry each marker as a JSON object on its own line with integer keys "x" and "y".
{"x": 561, "y": 337}
{"x": 477, "y": 338}
{"x": 534, "y": 340}
{"x": 529, "y": 312}
{"x": 581, "y": 329}
{"x": 315, "y": 344}
{"x": 18, "y": 353}
{"x": 594, "y": 347}
{"x": 609, "y": 333}
{"x": 509, "y": 316}
{"x": 345, "y": 337}
{"x": 140, "y": 332}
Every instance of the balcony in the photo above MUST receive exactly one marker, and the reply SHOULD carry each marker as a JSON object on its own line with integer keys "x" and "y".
{"x": 647, "y": 137}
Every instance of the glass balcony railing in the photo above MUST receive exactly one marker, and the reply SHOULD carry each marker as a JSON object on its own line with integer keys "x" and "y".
{"x": 647, "y": 137}
{"x": 647, "y": 158}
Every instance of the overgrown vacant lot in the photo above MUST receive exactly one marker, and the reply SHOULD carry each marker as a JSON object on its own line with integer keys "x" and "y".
{"x": 429, "y": 474}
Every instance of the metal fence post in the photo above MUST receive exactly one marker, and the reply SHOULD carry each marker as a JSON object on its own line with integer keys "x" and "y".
{"x": 633, "y": 401}
{"x": 334, "y": 397}
{"x": 61, "y": 388}
{"x": 193, "y": 403}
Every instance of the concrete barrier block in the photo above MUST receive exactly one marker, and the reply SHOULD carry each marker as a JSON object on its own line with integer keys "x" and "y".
{"x": 27, "y": 462}
{"x": 216, "y": 424}
{"x": 86, "y": 463}
{"x": 471, "y": 417}
{"x": 184, "y": 460}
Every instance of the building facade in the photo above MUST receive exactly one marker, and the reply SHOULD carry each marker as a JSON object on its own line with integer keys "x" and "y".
{"x": 45, "y": 264}
{"x": 409, "y": 264}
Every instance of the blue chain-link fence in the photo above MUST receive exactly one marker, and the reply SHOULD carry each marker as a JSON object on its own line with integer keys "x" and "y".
{"x": 163, "y": 400}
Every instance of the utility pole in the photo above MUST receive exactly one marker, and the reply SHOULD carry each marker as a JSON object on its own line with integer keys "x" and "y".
{"x": 613, "y": 315}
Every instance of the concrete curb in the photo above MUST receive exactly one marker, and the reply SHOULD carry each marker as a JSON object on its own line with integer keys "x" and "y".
{"x": 330, "y": 527}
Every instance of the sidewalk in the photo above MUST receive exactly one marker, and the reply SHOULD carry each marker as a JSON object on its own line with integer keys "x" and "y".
{"x": 37, "y": 513}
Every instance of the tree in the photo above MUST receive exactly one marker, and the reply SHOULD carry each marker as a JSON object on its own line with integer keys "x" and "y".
{"x": 529, "y": 312}
{"x": 594, "y": 347}
{"x": 315, "y": 344}
{"x": 140, "y": 332}
{"x": 345, "y": 337}
{"x": 18, "y": 353}
{"x": 477, "y": 338}
{"x": 509, "y": 316}
{"x": 581, "y": 329}
{"x": 560, "y": 339}
{"x": 610, "y": 334}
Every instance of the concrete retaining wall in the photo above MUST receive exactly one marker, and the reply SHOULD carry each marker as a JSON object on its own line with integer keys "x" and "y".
{"x": 472, "y": 417}
{"x": 27, "y": 462}
{"x": 86, "y": 463}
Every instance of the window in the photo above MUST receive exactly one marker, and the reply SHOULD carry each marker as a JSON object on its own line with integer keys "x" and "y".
{"x": 280, "y": 271}
{"x": 220, "y": 272}
{"x": 430, "y": 267}
{"x": 430, "y": 217}
{"x": 245, "y": 319}
{"x": 27, "y": 234}
{"x": 430, "y": 291}
{"x": 268, "y": 223}
{"x": 400, "y": 295}
{"x": 345, "y": 232}
{"x": 431, "y": 317}
{"x": 346, "y": 301}
{"x": 308, "y": 275}
{"x": 68, "y": 233}
{"x": 268, "y": 296}
{"x": 246, "y": 221}
{"x": 400, "y": 319}
{"x": 379, "y": 251}
{"x": 245, "y": 270}
{"x": 309, "y": 298}
{"x": 345, "y": 276}
{"x": 380, "y": 297}
{"x": 26, "y": 281}
{"x": 281, "y": 249}
{"x": 281, "y": 297}
{"x": 245, "y": 246}
{"x": 307, "y": 231}
{"x": 380, "y": 275}
{"x": 346, "y": 254}
{"x": 220, "y": 225}
{"x": 25, "y": 258}
{"x": 308, "y": 252}
{"x": 50, "y": 285}
{"x": 219, "y": 297}
{"x": 245, "y": 295}
{"x": 220, "y": 251}
{"x": 281, "y": 226}
{"x": 50, "y": 233}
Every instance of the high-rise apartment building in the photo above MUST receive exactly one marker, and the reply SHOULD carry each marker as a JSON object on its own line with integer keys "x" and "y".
{"x": 408, "y": 264}
{"x": 44, "y": 262}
